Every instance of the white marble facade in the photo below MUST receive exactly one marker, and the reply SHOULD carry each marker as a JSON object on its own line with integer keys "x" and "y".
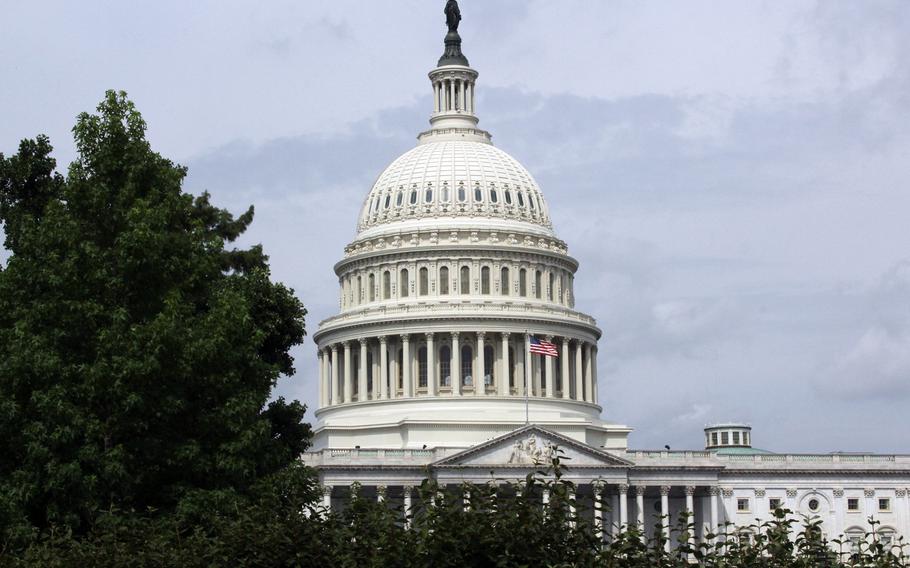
{"x": 426, "y": 371}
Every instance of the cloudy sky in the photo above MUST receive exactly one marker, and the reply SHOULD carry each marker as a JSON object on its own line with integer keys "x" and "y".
{"x": 732, "y": 176}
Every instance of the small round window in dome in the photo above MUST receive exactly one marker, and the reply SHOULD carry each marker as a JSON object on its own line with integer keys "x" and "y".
{"x": 813, "y": 504}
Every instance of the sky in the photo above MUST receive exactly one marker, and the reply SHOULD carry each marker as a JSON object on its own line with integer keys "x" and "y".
{"x": 731, "y": 176}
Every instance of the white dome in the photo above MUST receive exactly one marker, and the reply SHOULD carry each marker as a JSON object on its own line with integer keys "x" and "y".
{"x": 458, "y": 180}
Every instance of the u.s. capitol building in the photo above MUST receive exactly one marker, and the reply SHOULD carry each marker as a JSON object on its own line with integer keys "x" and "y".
{"x": 427, "y": 370}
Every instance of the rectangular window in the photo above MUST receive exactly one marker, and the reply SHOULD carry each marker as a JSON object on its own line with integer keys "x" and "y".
{"x": 724, "y": 438}
{"x": 736, "y": 438}
{"x": 774, "y": 503}
{"x": 713, "y": 438}
{"x": 742, "y": 505}
{"x": 884, "y": 504}
{"x": 853, "y": 504}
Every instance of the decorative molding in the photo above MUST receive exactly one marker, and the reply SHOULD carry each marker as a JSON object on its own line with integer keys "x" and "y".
{"x": 869, "y": 492}
{"x": 623, "y": 488}
{"x": 759, "y": 493}
{"x": 791, "y": 492}
{"x": 900, "y": 492}
{"x": 838, "y": 492}
{"x": 728, "y": 492}
{"x": 664, "y": 490}
{"x": 690, "y": 490}
{"x": 714, "y": 491}
{"x": 640, "y": 490}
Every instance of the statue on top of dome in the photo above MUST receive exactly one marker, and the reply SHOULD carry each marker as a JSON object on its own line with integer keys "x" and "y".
{"x": 453, "y": 15}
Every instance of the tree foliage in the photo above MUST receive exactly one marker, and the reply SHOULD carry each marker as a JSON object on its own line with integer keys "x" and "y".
{"x": 138, "y": 349}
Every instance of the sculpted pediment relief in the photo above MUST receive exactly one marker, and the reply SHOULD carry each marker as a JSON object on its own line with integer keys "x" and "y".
{"x": 531, "y": 446}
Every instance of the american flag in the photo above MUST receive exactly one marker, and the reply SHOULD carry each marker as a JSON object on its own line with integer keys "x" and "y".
{"x": 542, "y": 347}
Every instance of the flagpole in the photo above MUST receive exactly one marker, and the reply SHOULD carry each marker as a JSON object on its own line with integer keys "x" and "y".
{"x": 527, "y": 360}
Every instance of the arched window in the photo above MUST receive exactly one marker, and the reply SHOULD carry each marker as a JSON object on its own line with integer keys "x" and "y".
{"x": 444, "y": 281}
{"x": 386, "y": 285}
{"x": 428, "y": 195}
{"x": 422, "y": 367}
{"x": 372, "y": 284}
{"x": 508, "y": 195}
{"x": 403, "y": 284}
{"x": 465, "y": 280}
{"x": 444, "y": 194}
{"x": 445, "y": 365}
{"x": 413, "y": 198}
{"x": 467, "y": 365}
{"x": 532, "y": 201}
{"x": 388, "y": 200}
{"x": 424, "y": 281}
{"x": 478, "y": 194}
{"x": 504, "y": 283}
{"x": 485, "y": 280}
{"x": 537, "y": 284}
{"x": 488, "y": 373}
{"x": 523, "y": 283}
{"x": 550, "y": 288}
{"x": 511, "y": 365}
{"x": 521, "y": 199}
{"x": 462, "y": 195}
{"x": 400, "y": 198}
{"x": 494, "y": 198}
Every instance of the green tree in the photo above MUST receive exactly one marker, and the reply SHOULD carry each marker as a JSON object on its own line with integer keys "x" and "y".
{"x": 138, "y": 350}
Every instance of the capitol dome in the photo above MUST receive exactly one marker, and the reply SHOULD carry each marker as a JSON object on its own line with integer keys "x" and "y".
{"x": 453, "y": 286}
{"x": 455, "y": 183}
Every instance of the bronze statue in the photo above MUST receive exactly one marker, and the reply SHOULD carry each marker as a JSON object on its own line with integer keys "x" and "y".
{"x": 453, "y": 15}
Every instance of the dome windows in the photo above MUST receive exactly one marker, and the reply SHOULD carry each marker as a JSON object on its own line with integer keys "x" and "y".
{"x": 462, "y": 194}
{"x": 478, "y": 194}
{"x": 428, "y": 196}
{"x": 403, "y": 284}
{"x": 444, "y": 281}
{"x": 444, "y": 193}
{"x": 508, "y": 196}
{"x": 424, "y": 277}
{"x": 400, "y": 198}
{"x": 493, "y": 197}
{"x": 413, "y": 199}
{"x": 521, "y": 199}
{"x": 504, "y": 283}
{"x": 465, "y": 280}
{"x": 485, "y": 280}
{"x": 388, "y": 200}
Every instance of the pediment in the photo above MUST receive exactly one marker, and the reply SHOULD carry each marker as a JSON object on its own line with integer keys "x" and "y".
{"x": 531, "y": 446}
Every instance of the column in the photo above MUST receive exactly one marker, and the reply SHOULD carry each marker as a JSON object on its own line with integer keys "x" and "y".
{"x": 759, "y": 510}
{"x": 327, "y": 497}
{"x": 594, "y": 395}
{"x": 336, "y": 396}
{"x": 451, "y": 105}
{"x": 870, "y": 509}
{"x": 564, "y": 362}
{"x": 839, "y": 511}
{"x": 640, "y": 508}
{"x": 406, "y": 365}
{"x": 579, "y": 372}
{"x": 456, "y": 365}
{"x": 714, "y": 492}
{"x": 690, "y": 514}
{"x": 362, "y": 371}
{"x": 665, "y": 515}
{"x": 471, "y": 97}
{"x": 550, "y": 382}
{"x": 903, "y": 495}
{"x": 479, "y": 383}
{"x": 545, "y": 497}
{"x": 348, "y": 377}
{"x": 589, "y": 375}
{"x": 570, "y": 494}
{"x": 381, "y": 493}
{"x": 504, "y": 370}
{"x": 323, "y": 391}
{"x": 431, "y": 366}
{"x": 791, "y": 499}
{"x": 623, "y": 505}
{"x": 614, "y": 515}
{"x": 598, "y": 487}
{"x": 435, "y": 97}
{"x": 729, "y": 505}
{"x": 408, "y": 489}
{"x": 383, "y": 367}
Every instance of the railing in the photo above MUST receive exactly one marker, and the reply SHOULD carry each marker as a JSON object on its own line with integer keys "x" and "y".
{"x": 768, "y": 458}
